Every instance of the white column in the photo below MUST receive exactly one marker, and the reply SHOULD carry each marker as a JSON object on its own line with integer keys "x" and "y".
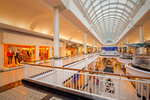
{"x": 37, "y": 52}
{"x": 141, "y": 38}
{"x": 100, "y": 47}
{"x": 127, "y": 45}
{"x": 97, "y": 46}
{"x": 56, "y": 33}
{"x": 50, "y": 50}
{"x": 93, "y": 45}
{"x": 135, "y": 51}
{"x": 1, "y": 56}
{"x": 78, "y": 50}
{"x": 2, "y": 52}
{"x": 85, "y": 43}
{"x": 94, "y": 55}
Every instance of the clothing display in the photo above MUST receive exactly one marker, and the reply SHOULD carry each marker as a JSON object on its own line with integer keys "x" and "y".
{"x": 14, "y": 55}
{"x": 10, "y": 56}
{"x": 43, "y": 53}
{"x": 17, "y": 57}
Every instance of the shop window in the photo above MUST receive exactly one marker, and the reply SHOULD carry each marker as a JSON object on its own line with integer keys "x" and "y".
{"x": 44, "y": 52}
{"x": 14, "y": 55}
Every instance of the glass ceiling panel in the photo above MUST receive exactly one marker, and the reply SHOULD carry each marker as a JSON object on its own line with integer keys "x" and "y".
{"x": 109, "y": 16}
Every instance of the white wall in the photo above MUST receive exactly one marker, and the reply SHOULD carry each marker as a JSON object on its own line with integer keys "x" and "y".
{"x": 2, "y": 51}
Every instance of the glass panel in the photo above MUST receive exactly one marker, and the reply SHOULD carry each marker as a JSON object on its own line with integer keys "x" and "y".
{"x": 130, "y": 4}
{"x": 109, "y": 16}
{"x": 87, "y": 4}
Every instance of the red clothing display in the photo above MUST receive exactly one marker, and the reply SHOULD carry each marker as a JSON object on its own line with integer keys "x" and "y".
{"x": 10, "y": 54}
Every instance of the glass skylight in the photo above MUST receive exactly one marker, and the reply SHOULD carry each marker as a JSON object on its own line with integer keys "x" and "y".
{"x": 109, "y": 16}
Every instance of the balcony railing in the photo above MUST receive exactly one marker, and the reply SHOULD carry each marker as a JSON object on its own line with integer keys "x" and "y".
{"x": 92, "y": 84}
{"x": 64, "y": 61}
{"x": 142, "y": 61}
{"x": 126, "y": 55}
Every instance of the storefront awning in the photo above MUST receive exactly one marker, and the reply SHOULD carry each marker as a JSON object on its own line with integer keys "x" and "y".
{"x": 124, "y": 47}
{"x": 138, "y": 45}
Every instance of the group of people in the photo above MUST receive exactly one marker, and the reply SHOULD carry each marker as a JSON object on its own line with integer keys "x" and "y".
{"x": 18, "y": 55}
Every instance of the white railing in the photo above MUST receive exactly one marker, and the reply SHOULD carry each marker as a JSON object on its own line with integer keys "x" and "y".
{"x": 126, "y": 55}
{"x": 97, "y": 85}
{"x": 109, "y": 53}
{"x": 66, "y": 60}
{"x": 142, "y": 61}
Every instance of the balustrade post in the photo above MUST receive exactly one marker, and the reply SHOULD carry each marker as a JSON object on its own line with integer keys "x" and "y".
{"x": 86, "y": 62}
{"x": 94, "y": 63}
{"x": 57, "y": 62}
{"x": 26, "y": 72}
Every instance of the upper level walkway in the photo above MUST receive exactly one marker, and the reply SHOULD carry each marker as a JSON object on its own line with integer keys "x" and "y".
{"x": 91, "y": 84}
{"x": 74, "y": 77}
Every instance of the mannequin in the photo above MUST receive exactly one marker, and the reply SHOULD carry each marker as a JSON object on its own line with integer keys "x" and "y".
{"x": 10, "y": 56}
{"x": 17, "y": 54}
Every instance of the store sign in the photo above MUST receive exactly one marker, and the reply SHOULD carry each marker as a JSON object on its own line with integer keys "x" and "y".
{"x": 110, "y": 48}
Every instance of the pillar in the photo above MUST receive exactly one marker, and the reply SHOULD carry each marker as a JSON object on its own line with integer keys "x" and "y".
{"x": 37, "y": 51}
{"x": 135, "y": 51}
{"x": 141, "y": 38}
{"x": 50, "y": 50}
{"x": 127, "y": 45}
{"x": 78, "y": 50}
{"x": 1, "y": 56}
{"x": 100, "y": 47}
{"x": 93, "y": 46}
{"x": 85, "y": 43}
{"x": 97, "y": 46}
{"x": 2, "y": 52}
{"x": 56, "y": 33}
{"x": 94, "y": 55}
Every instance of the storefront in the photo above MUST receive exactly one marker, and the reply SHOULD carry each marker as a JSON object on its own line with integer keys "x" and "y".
{"x": 81, "y": 50}
{"x": 71, "y": 50}
{"x": 17, "y": 48}
{"x": 131, "y": 50}
{"x": 44, "y": 52}
{"x": 14, "y": 55}
{"x": 89, "y": 50}
{"x": 148, "y": 51}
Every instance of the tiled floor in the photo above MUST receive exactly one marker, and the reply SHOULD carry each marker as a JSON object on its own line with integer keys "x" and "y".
{"x": 21, "y": 93}
{"x": 29, "y": 91}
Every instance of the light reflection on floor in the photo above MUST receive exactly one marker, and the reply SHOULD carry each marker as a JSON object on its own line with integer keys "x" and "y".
{"x": 21, "y": 93}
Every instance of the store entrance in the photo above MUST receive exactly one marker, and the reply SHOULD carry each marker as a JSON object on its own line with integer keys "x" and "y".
{"x": 43, "y": 52}
{"x": 14, "y": 55}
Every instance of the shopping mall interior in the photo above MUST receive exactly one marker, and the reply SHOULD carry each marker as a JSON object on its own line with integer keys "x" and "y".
{"x": 75, "y": 49}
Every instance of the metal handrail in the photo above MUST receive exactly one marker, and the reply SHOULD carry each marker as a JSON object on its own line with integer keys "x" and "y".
{"x": 96, "y": 72}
